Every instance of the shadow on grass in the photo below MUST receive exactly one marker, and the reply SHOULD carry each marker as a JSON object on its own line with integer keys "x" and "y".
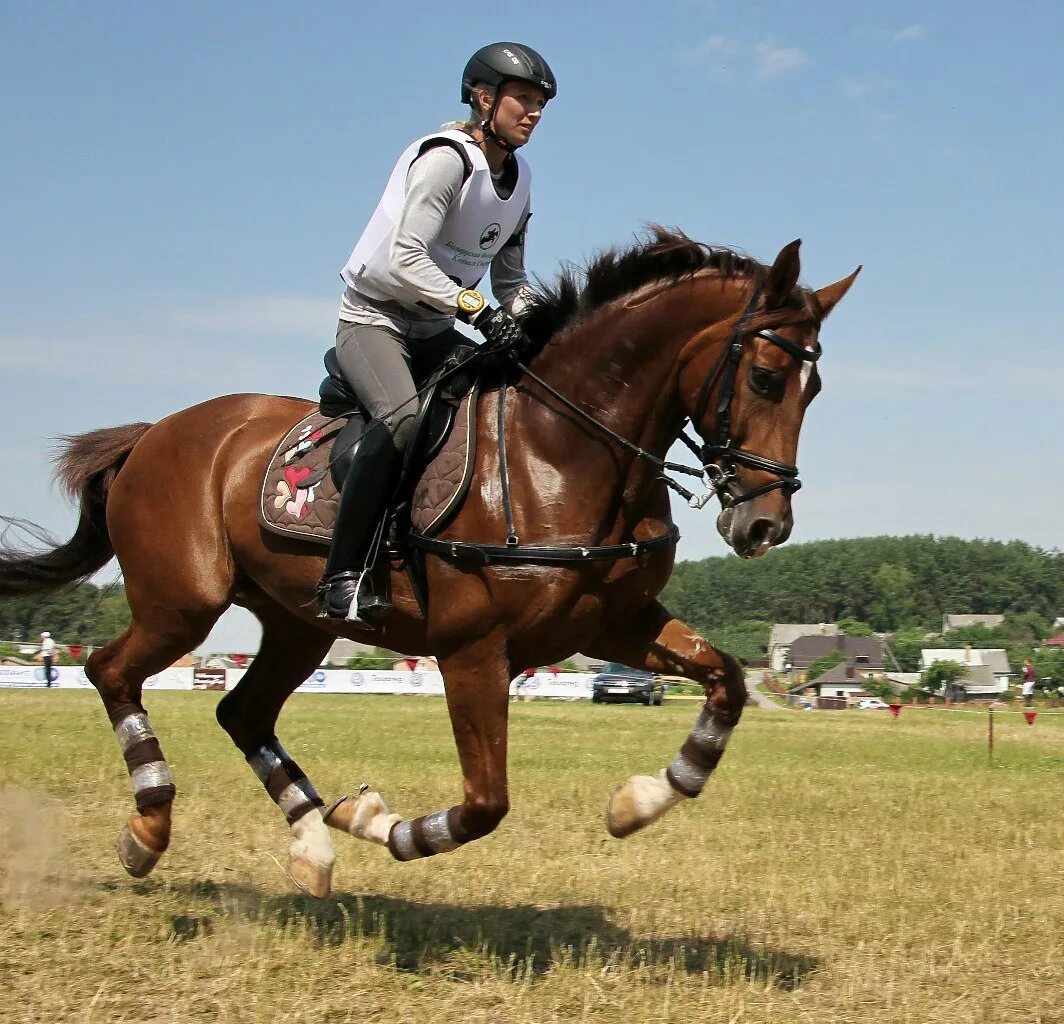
{"x": 460, "y": 941}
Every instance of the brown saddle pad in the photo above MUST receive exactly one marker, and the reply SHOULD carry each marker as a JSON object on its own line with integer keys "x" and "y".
{"x": 299, "y": 499}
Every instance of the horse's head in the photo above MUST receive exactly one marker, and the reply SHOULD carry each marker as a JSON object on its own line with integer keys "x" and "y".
{"x": 746, "y": 383}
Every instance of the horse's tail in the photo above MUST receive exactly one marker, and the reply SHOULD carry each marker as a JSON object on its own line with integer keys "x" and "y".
{"x": 86, "y": 466}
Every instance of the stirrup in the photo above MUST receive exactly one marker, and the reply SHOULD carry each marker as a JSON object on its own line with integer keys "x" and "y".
{"x": 336, "y": 593}
{"x": 368, "y": 606}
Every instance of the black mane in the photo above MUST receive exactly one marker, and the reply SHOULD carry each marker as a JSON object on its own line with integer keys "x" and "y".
{"x": 662, "y": 255}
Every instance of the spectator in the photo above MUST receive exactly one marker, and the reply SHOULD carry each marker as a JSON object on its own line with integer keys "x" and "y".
{"x": 47, "y": 653}
{"x": 1028, "y": 683}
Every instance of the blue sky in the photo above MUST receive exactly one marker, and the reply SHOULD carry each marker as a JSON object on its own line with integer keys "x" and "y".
{"x": 181, "y": 183}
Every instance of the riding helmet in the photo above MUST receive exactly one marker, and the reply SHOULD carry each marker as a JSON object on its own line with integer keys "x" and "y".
{"x": 507, "y": 62}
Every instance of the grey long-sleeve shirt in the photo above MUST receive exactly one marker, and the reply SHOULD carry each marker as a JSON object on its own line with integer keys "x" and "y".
{"x": 432, "y": 184}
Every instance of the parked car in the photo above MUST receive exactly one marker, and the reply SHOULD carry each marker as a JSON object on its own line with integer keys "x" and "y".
{"x": 872, "y": 704}
{"x": 617, "y": 684}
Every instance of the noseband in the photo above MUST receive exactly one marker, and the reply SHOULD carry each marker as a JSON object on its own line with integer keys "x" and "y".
{"x": 720, "y": 457}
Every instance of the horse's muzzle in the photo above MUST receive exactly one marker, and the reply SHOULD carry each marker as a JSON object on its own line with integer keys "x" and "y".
{"x": 750, "y": 533}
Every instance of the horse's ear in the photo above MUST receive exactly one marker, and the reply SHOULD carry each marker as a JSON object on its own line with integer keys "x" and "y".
{"x": 783, "y": 276}
{"x": 829, "y": 296}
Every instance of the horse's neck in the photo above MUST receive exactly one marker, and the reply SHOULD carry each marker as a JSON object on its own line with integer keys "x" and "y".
{"x": 621, "y": 368}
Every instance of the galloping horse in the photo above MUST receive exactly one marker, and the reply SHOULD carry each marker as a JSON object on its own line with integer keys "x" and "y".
{"x": 664, "y": 332}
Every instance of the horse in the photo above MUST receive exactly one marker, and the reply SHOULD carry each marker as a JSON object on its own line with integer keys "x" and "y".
{"x": 666, "y": 331}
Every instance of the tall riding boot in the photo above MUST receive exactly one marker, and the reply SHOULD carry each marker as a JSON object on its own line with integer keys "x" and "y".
{"x": 345, "y": 591}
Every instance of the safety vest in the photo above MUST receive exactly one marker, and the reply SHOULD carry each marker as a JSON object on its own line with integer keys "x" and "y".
{"x": 477, "y": 225}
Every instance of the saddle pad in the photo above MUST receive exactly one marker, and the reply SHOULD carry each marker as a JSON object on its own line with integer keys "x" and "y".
{"x": 298, "y": 497}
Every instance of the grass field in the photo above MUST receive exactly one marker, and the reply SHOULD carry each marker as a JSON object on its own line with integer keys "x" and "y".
{"x": 840, "y": 867}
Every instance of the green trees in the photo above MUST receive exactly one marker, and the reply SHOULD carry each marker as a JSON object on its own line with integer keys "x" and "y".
{"x": 891, "y": 583}
{"x": 1048, "y": 667}
{"x": 823, "y": 663}
{"x": 86, "y": 614}
{"x": 939, "y": 674}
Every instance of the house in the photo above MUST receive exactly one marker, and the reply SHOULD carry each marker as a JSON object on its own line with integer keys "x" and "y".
{"x": 1054, "y": 641}
{"x": 950, "y": 622}
{"x": 343, "y": 650}
{"x": 841, "y": 683}
{"x": 783, "y": 636}
{"x": 994, "y": 673}
{"x": 864, "y": 652}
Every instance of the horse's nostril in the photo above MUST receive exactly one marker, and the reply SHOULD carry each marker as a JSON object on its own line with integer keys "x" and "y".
{"x": 762, "y": 531}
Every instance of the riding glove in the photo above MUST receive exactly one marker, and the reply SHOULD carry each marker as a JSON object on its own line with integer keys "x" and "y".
{"x": 502, "y": 333}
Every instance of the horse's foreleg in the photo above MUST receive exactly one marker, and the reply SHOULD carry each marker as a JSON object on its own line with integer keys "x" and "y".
{"x": 654, "y": 640}
{"x": 291, "y": 649}
{"x": 477, "y": 684}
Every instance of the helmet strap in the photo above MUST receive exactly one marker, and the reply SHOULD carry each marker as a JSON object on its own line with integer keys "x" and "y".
{"x": 486, "y": 126}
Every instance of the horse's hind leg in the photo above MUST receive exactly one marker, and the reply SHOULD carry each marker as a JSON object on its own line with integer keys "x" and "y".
{"x": 118, "y": 671}
{"x": 291, "y": 649}
{"x": 653, "y": 639}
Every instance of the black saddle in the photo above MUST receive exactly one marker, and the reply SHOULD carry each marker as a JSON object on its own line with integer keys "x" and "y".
{"x": 431, "y": 427}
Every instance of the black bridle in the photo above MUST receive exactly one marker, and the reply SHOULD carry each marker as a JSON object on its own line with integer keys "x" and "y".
{"x": 720, "y": 457}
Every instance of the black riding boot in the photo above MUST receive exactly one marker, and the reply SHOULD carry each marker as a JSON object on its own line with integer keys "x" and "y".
{"x": 346, "y": 589}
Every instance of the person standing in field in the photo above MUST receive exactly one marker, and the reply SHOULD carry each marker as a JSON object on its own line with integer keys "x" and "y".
{"x": 456, "y": 205}
{"x": 47, "y": 653}
{"x": 1028, "y": 683}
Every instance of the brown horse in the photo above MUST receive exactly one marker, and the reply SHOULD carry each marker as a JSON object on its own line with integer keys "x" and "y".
{"x": 666, "y": 331}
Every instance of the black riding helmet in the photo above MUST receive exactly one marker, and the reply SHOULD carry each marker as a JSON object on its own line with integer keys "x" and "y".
{"x": 507, "y": 62}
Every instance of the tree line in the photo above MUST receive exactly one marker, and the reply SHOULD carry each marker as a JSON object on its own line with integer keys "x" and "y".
{"x": 887, "y": 582}
{"x": 87, "y": 614}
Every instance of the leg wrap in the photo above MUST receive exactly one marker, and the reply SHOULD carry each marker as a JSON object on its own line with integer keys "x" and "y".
{"x": 699, "y": 755}
{"x": 285, "y": 781}
{"x": 423, "y": 837}
{"x": 153, "y": 782}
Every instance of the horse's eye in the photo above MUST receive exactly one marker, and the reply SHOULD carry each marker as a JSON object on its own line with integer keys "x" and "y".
{"x": 762, "y": 381}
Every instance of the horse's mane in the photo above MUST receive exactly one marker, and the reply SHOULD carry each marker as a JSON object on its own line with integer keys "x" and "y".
{"x": 662, "y": 255}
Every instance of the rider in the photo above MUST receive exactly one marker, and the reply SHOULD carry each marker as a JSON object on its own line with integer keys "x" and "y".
{"x": 456, "y": 204}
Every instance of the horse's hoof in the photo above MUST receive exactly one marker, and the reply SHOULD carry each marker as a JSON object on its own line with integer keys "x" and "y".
{"x": 639, "y": 802}
{"x": 136, "y": 858}
{"x": 311, "y": 877}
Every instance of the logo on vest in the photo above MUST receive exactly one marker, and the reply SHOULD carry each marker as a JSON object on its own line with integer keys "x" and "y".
{"x": 489, "y": 236}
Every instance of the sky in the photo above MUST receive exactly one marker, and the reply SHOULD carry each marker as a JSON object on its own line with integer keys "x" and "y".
{"x": 180, "y": 185}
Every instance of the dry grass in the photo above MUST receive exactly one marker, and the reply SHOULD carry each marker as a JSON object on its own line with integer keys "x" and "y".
{"x": 841, "y": 867}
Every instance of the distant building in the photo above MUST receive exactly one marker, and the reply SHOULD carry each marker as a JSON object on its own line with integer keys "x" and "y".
{"x": 343, "y": 651}
{"x": 951, "y": 622}
{"x": 865, "y": 653}
{"x": 783, "y": 636}
{"x": 989, "y": 672}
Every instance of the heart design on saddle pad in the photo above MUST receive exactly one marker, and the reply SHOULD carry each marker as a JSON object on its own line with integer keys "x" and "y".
{"x": 294, "y": 476}
{"x": 298, "y": 506}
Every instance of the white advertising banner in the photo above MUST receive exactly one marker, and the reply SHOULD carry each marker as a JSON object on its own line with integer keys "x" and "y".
{"x": 557, "y": 685}
{"x": 25, "y": 675}
{"x": 560, "y": 685}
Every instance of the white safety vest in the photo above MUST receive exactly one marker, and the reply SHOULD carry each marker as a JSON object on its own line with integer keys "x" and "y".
{"x": 477, "y": 225}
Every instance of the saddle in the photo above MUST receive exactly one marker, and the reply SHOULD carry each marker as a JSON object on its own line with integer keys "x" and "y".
{"x": 301, "y": 487}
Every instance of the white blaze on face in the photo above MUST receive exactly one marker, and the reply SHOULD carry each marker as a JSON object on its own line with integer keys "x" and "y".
{"x": 807, "y": 367}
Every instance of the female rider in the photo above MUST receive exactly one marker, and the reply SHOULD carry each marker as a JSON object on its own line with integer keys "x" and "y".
{"x": 456, "y": 204}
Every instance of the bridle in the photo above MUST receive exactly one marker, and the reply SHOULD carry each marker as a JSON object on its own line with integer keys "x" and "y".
{"x": 720, "y": 457}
